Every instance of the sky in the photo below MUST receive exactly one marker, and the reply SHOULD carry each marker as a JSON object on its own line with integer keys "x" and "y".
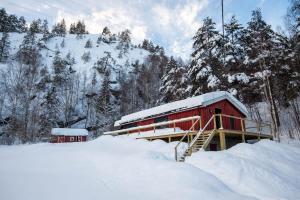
{"x": 168, "y": 23}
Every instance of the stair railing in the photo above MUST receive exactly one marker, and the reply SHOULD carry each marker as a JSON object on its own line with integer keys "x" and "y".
{"x": 185, "y": 135}
{"x": 194, "y": 139}
{"x": 201, "y": 131}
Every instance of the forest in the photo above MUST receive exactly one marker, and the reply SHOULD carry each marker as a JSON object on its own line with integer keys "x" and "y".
{"x": 42, "y": 85}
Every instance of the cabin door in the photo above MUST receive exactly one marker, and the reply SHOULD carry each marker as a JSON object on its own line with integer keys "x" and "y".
{"x": 218, "y": 120}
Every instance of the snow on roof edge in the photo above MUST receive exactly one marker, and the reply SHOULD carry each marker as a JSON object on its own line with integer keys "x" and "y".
{"x": 69, "y": 132}
{"x": 201, "y": 100}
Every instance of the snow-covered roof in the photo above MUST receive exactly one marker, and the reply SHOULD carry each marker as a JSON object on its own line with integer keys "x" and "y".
{"x": 201, "y": 100}
{"x": 69, "y": 131}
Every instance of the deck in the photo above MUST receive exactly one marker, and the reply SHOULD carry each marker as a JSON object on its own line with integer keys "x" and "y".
{"x": 211, "y": 134}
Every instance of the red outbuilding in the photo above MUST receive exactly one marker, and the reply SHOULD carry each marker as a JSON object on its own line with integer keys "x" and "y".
{"x": 62, "y": 135}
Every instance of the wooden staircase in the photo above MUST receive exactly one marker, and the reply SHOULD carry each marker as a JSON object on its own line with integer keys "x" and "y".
{"x": 199, "y": 142}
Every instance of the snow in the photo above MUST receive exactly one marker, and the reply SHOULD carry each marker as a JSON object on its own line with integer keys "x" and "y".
{"x": 69, "y": 132}
{"x": 75, "y": 46}
{"x": 201, "y": 100}
{"x": 157, "y": 132}
{"x": 124, "y": 168}
{"x": 242, "y": 77}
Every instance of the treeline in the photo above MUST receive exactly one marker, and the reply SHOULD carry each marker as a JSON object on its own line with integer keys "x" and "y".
{"x": 254, "y": 63}
{"x": 36, "y": 97}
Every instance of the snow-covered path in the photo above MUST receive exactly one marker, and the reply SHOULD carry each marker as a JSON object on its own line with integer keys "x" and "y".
{"x": 124, "y": 168}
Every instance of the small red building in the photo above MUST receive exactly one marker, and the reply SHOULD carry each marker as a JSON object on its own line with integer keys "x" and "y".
{"x": 62, "y": 135}
{"x": 205, "y": 105}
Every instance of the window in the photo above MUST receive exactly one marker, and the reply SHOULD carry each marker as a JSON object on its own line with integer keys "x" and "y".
{"x": 218, "y": 120}
{"x": 232, "y": 123}
{"x": 125, "y": 126}
{"x": 161, "y": 119}
{"x": 72, "y": 139}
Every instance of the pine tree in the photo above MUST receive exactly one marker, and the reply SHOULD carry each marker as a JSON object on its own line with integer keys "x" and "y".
{"x": 205, "y": 71}
{"x": 105, "y": 36}
{"x": 4, "y": 47}
{"x": 50, "y": 112}
{"x": 72, "y": 28}
{"x": 36, "y": 26}
{"x": 86, "y": 57}
{"x": 104, "y": 104}
{"x": 124, "y": 41}
{"x": 28, "y": 51}
{"x": 105, "y": 63}
{"x": 234, "y": 57}
{"x": 173, "y": 83}
{"x": 59, "y": 29}
{"x": 21, "y": 26}
{"x": 62, "y": 44}
{"x": 59, "y": 66}
{"x": 4, "y": 22}
{"x": 88, "y": 44}
{"x": 258, "y": 42}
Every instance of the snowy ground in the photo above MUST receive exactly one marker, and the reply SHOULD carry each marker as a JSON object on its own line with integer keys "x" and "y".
{"x": 124, "y": 168}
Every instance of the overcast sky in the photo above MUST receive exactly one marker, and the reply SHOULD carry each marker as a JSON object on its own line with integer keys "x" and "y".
{"x": 169, "y": 23}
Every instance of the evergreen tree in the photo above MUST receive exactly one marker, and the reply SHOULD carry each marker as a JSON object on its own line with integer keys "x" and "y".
{"x": 258, "y": 42}
{"x": 173, "y": 83}
{"x": 59, "y": 66}
{"x": 36, "y": 26}
{"x": 234, "y": 57}
{"x": 21, "y": 26}
{"x": 105, "y": 63}
{"x": 104, "y": 103}
{"x": 86, "y": 57}
{"x": 105, "y": 36}
{"x": 205, "y": 71}
{"x": 88, "y": 44}
{"x": 50, "y": 112}
{"x": 4, "y": 47}
{"x": 28, "y": 51}
{"x": 72, "y": 28}
{"x": 4, "y": 22}
{"x": 59, "y": 29}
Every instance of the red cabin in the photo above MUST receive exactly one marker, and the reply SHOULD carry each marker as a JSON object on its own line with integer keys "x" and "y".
{"x": 62, "y": 135}
{"x": 205, "y": 105}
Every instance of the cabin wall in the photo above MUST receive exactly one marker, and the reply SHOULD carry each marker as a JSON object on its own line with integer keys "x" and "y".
{"x": 185, "y": 125}
{"x": 205, "y": 113}
{"x": 228, "y": 109}
{"x": 64, "y": 139}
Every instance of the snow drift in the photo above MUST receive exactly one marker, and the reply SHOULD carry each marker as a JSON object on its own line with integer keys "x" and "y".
{"x": 124, "y": 168}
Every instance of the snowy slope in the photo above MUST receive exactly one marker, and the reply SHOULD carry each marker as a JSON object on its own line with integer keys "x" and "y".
{"x": 75, "y": 46}
{"x": 124, "y": 168}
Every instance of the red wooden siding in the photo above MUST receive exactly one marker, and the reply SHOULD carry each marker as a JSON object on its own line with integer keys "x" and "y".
{"x": 63, "y": 139}
{"x": 227, "y": 108}
{"x": 185, "y": 125}
{"x": 205, "y": 113}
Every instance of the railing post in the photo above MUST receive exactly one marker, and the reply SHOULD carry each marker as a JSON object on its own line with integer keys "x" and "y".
{"x": 200, "y": 123}
{"x": 174, "y": 126}
{"x": 222, "y": 140}
{"x": 243, "y": 131}
{"x": 221, "y": 122}
{"x": 193, "y": 121}
{"x": 176, "y": 153}
{"x": 215, "y": 124}
{"x": 258, "y": 130}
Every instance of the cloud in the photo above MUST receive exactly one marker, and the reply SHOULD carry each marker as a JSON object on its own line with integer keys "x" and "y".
{"x": 169, "y": 23}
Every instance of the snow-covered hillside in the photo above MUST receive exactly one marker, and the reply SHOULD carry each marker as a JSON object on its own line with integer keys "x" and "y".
{"x": 124, "y": 168}
{"x": 76, "y": 47}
